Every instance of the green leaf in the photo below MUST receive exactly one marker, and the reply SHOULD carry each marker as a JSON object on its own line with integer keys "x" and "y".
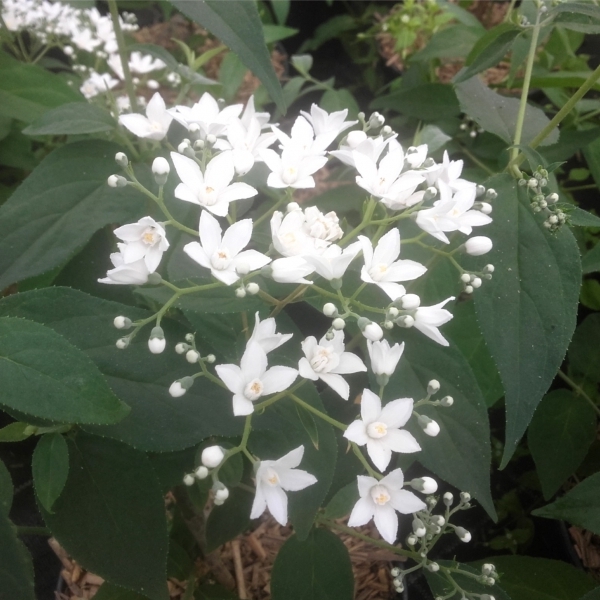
{"x": 590, "y": 263}
{"x": 50, "y": 466}
{"x": 578, "y": 506}
{"x": 578, "y": 216}
{"x": 561, "y": 432}
{"x": 498, "y": 114}
{"x": 179, "y": 563}
{"x": 237, "y": 24}
{"x": 592, "y": 157}
{"x": 318, "y": 568}
{"x": 275, "y": 33}
{"x": 342, "y": 502}
{"x": 111, "y": 517}
{"x": 309, "y": 424}
{"x": 428, "y": 102}
{"x": 281, "y": 8}
{"x": 334, "y": 100}
{"x": 27, "y": 91}
{"x": 570, "y": 142}
{"x": 593, "y": 595}
{"x": 157, "y": 421}
{"x": 6, "y": 490}
{"x": 584, "y": 352}
{"x": 526, "y": 578}
{"x": 434, "y": 137}
{"x": 73, "y": 118}
{"x": 231, "y": 75}
{"x": 16, "y": 568}
{"x": 454, "y": 41}
{"x": 15, "y": 432}
{"x": 229, "y": 520}
{"x": 59, "y": 206}
{"x": 527, "y": 312}
{"x": 489, "y": 51}
{"x": 328, "y": 30}
{"x": 109, "y": 591}
{"x": 440, "y": 586}
{"x": 44, "y": 375}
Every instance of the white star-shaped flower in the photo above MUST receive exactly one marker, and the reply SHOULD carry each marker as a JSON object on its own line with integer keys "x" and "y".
{"x": 429, "y": 318}
{"x": 145, "y": 240}
{"x": 264, "y": 334}
{"x": 275, "y": 476}
{"x": 212, "y": 189}
{"x": 379, "y": 500}
{"x": 252, "y": 380}
{"x": 155, "y": 125}
{"x": 328, "y": 361}
{"x": 292, "y": 169}
{"x": 384, "y": 359}
{"x": 448, "y": 173}
{"x": 358, "y": 141}
{"x": 133, "y": 273}
{"x": 222, "y": 253}
{"x": 382, "y": 268}
{"x": 380, "y": 430}
{"x": 333, "y": 261}
{"x": 327, "y": 126}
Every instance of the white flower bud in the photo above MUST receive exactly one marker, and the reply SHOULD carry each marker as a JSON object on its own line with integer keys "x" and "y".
{"x": 222, "y": 494}
{"x": 157, "y": 342}
{"x": 405, "y": 321}
{"x": 211, "y": 139}
{"x": 478, "y": 245}
{"x": 412, "y": 540}
{"x": 181, "y": 348}
{"x": 486, "y": 208}
{"x": 465, "y": 278}
{"x": 532, "y": 183}
{"x": 252, "y": 288}
{"x": 476, "y": 283}
{"x": 193, "y": 128}
{"x": 210, "y": 358}
{"x": 425, "y": 485}
{"x": 192, "y": 356}
{"x": 354, "y": 138}
{"x": 201, "y": 472}
{"x": 292, "y": 206}
{"x": 419, "y": 528}
{"x": 121, "y": 159}
{"x": 329, "y": 310}
{"x": 122, "y": 322}
{"x": 393, "y": 312}
{"x": 122, "y": 343}
{"x": 240, "y": 292}
{"x": 469, "y": 289}
{"x": 433, "y": 386}
{"x": 448, "y": 499}
{"x": 465, "y": 496}
{"x": 438, "y": 520}
{"x": 487, "y": 596}
{"x": 176, "y": 389}
{"x": 447, "y": 401}
{"x": 212, "y": 456}
{"x": 395, "y": 572}
{"x": 188, "y": 480}
{"x": 388, "y": 324}
{"x": 373, "y": 332}
{"x": 338, "y": 324}
{"x": 183, "y": 147}
{"x": 160, "y": 169}
{"x": 410, "y": 301}
{"x": 463, "y": 534}
{"x": 115, "y": 181}
{"x": 479, "y": 190}
{"x": 433, "y": 567}
{"x": 552, "y": 198}
{"x": 487, "y": 569}
{"x": 189, "y": 338}
{"x": 198, "y": 145}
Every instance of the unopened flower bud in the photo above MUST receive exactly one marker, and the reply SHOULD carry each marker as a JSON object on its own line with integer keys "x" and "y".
{"x": 479, "y": 191}
{"x": 465, "y": 278}
{"x": 448, "y": 499}
{"x": 122, "y": 322}
{"x": 116, "y": 181}
{"x": 192, "y": 356}
{"x": 121, "y": 159}
{"x": 478, "y": 245}
{"x": 388, "y": 324}
{"x": 491, "y": 194}
{"x": 122, "y": 343}
{"x": 488, "y": 269}
{"x": 193, "y": 127}
{"x": 180, "y": 387}
{"x": 552, "y": 198}
{"x": 433, "y": 387}
{"x": 338, "y": 324}
{"x": 433, "y": 567}
{"x": 189, "y": 338}
{"x": 395, "y": 572}
{"x": 463, "y": 534}
{"x": 419, "y": 528}
{"x": 429, "y": 426}
{"x": 487, "y": 596}
{"x": 405, "y": 321}
{"x": 188, "y": 480}
{"x": 354, "y": 138}
{"x": 476, "y": 283}
{"x": 532, "y": 183}
{"x": 292, "y": 206}
{"x": 329, "y": 310}
{"x": 410, "y": 301}
{"x": 253, "y": 288}
{"x": 183, "y": 146}
{"x": 485, "y": 208}
{"x": 447, "y": 401}
{"x": 240, "y": 292}
{"x": 212, "y": 456}
{"x": 157, "y": 342}
{"x": 487, "y": 569}
{"x": 438, "y": 520}
{"x": 154, "y": 279}
{"x": 469, "y": 289}
{"x": 412, "y": 540}
{"x": 465, "y": 496}
{"x": 430, "y": 193}
{"x": 201, "y": 472}
{"x": 425, "y": 485}
{"x": 393, "y": 312}
{"x": 210, "y": 359}
{"x": 373, "y": 332}
{"x": 222, "y": 494}
{"x": 211, "y": 139}
{"x": 386, "y": 130}
{"x": 160, "y": 170}
{"x": 181, "y": 348}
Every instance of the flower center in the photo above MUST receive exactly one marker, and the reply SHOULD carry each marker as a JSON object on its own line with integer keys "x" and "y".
{"x": 220, "y": 259}
{"x": 320, "y": 362}
{"x": 376, "y": 430}
{"x": 289, "y": 175}
{"x": 271, "y": 477}
{"x": 380, "y": 495}
{"x": 209, "y": 196}
{"x": 155, "y": 126}
{"x": 254, "y": 389}
{"x": 378, "y": 272}
{"x": 150, "y": 237}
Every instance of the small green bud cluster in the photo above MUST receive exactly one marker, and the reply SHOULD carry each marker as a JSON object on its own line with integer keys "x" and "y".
{"x": 543, "y": 201}
{"x": 192, "y": 355}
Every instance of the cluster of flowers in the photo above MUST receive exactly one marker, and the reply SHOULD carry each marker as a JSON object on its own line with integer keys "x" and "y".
{"x": 226, "y": 142}
{"x": 87, "y": 37}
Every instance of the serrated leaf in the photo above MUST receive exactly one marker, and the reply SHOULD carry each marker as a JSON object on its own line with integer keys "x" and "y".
{"x": 318, "y": 568}
{"x": 6, "y": 490}
{"x": 590, "y": 262}
{"x": 237, "y": 24}
{"x": 16, "y": 568}
{"x": 50, "y": 466}
{"x": 498, "y": 114}
{"x": 527, "y": 312}
{"x": 110, "y": 516}
{"x": 308, "y": 422}
{"x": 583, "y": 218}
{"x": 561, "y": 432}
{"x": 578, "y": 506}
{"x": 584, "y": 352}
{"x": 72, "y": 119}
{"x": 59, "y": 206}
{"x": 44, "y": 375}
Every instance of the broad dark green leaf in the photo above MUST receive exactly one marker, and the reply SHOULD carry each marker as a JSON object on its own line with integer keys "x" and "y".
{"x": 16, "y": 568}
{"x": 578, "y": 506}
{"x": 489, "y": 51}
{"x": 583, "y": 218}
{"x": 111, "y": 517}
{"x": 571, "y": 141}
{"x": 50, "y": 466}
{"x": 27, "y": 91}
{"x": 15, "y": 432}
{"x": 237, "y": 24}
{"x": 561, "y": 432}
{"x": 593, "y": 595}
{"x": 275, "y": 33}
{"x": 229, "y": 520}
{"x": 59, "y": 206}
{"x": 592, "y": 157}
{"x": 584, "y": 352}
{"x": 527, "y": 312}
{"x": 590, "y": 262}
{"x": 179, "y": 563}
{"x": 498, "y": 114}
{"x": 6, "y": 490}
{"x": 579, "y": 22}
{"x": 281, "y": 8}
{"x": 72, "y": 118}
{"x": 318, "y": 568}
{"x": 440, "y": 586}
{"x": 526, "y": 578}
{"x": 157, "y": 421}
{"x": 342, "y": 502}
{"x": 328, "y": 30}
{"x": 428, "y": 102}
{"x": 109, "y": 591}
{"x": 44, "y": 375}
{"x": 455, "y": 41}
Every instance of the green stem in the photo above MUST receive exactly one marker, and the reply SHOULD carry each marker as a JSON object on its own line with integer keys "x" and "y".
{"x": 366, "y": 220}
{"x": 364, "y": 461}
{"x": 579, "y": 390}
{"x": 576, "y": 188}
{"x": 317, "y": 412}
{"x": 360, "y": 305}
{"x": 262, "y": 405}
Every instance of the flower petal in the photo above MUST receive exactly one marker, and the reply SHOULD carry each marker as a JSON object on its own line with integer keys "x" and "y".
{"x": 357, "y": 433}
{"x": 260, "y": 502}
{"x": 337, "y": 383}
{"x": 277, "y": 503}
{"x": 362, "y": 513}
{"x": 277, "y": 379}
{"x": 290, "y": 460}
{"x": 406, "y": 502}
{"x": 237, "y": 191}
{"x": 397, "y": 412}
{"x": 400, "y": 440}
{"x": 237, "y": 236}
{"x": 294, "y": 480}
{"x": 231, "y": 375}
{"x": 394, "y": 480}
{"x": 386, "y": 521}
{"x": 254, "y": 362}
{"x": 188, "y": 171}
{"x": 137, "y": 124}
{"x": 195, "y": 251}
{"x": 388, "y": 248}
{"x": 242, "y": 406}
{"x": 370, "y": 407}
{"x": 210, "y": 233}
{"x": 349, "y": 363}
{"x": 379, "y": 453}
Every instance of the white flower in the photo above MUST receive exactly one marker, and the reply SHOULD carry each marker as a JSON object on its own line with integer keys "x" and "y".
{"x": 384, "y": 359}
{"x": 448, "y": 173}
{"x": 380, "y": 500}
{"x": 415, "y": 155}
{"x": 358, "y": 142}
{"x": 212, "y": 190}
{"x": 275, "y": 476}
{"x": 97, "y": 84}
{"x": 382, "y": 268}
{"x": 302, "y": 139}
{"x": 144, "y": 63}
{"x": 223, "y": 254}
{"x": 292, "y": 169}
{"x": 327, "y": 126}
{"x": 145, "y": 240}
{"x": 380, "y": 429}
{"x": 334, "y": 261}
{"x": 478, "y": 245}
{"x": 429, "y": 318}
{"x": 134, "y": 273}
{"x": 265, "y": 336}
{"x": 291, "y": 269}
{"x": 154, "y": 125}
{"x": 327, "y": 361}
{"x": 252, "y": 380}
